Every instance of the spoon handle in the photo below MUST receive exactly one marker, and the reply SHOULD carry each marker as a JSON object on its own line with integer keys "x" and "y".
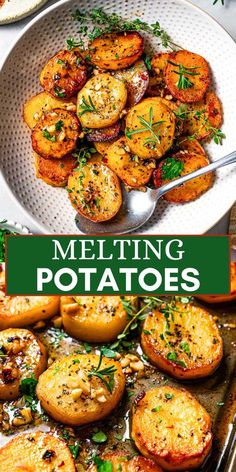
{"x": 224, "y": 161}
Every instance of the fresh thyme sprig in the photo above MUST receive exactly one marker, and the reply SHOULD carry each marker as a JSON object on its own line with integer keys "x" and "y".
{"x": 216, "y": 134}
{"x": 102, "y": 373}
{"x": 87, "y": 106}
{"x": 83, "y": 154}
{"x": 147, "y": 126}
{"x": 111, "y": 22}
{"x": 184, "y": 82}
{"x": 150, "y": 302}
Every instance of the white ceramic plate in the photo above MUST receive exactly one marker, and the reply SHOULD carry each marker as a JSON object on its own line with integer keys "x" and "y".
{"x": 189, "y": 26}
{"x": 15, "y": 10}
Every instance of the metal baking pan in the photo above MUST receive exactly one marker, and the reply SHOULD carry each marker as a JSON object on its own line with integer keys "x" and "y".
{"x": 216, "y": 393}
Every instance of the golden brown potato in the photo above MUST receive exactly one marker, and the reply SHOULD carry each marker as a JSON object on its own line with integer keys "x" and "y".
{"x": 202, "y": 116}
{"x": 22, "y": 356}
{"x": 190, "y": 145}
{"x": 187, "y": 345}
{"x": 136, "y": 79}
{"x": 125, "y": 462}
{"x": 94, "y": 319}
{"x": 36, "y": 106}
{"x": 178, "y": 165}
{"x": 19, "y": 311}
{"x": 64, "y": 74}
{"x": 101, "y": 101}
{"x": 133, "y": 171}
{"x": 55, "y": 134}
{"x": 157, "y": 86}
{"x": 116, "y": 50}
{"x": 223, "y": 298}
{"x": 104, "y": 134}
{"x": 173, "y": 106}
{"x": 144, "y": 142}
{"x": 54, "y": 172}
{"x": 36, "y": 451}
{"x": 103, "y": 146}
{"x": 172, "y": 428}
{"x": 187, "y": 76}
{"x": 95, "y": 192}
{"x": 72, "y": 393}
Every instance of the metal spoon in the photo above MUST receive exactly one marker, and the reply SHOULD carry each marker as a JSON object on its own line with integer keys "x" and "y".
{"x": 138, "y": 207}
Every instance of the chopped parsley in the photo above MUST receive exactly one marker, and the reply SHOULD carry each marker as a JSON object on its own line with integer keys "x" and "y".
{"x": 171, "y": 168}
{"x": 48, "y": 136}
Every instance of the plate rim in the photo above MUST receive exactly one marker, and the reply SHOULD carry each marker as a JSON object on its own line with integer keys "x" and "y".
{"x": 35, "y": 220}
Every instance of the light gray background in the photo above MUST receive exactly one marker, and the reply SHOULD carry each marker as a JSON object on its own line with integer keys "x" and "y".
{"x": 225, "y": 15}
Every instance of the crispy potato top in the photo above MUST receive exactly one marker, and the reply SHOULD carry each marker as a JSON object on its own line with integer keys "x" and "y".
{"x": 150, "y": 128}
{"x": 36, "y": 451}
{"x": 101, "y": 101}
{"x": 121, "y": 461}
{"x": 95, "y": 192}
{"x": 172, "y": 428}
{"x": 95, "y": 319}
{"x": 36, "y": 106}
{"x": 202, "y": 116}
{"x": 21, "y": 356}
{"x": 182, "y": 339}
{"x": 56, "y": 133}
{"x": 187, "y": 76}
{"x": 64, "y": 74}
{"x": 136, "y": 79}
{"x": 55, "y": 172}
{"x": 117, "y": 50}
{"x": 79, "y": 389}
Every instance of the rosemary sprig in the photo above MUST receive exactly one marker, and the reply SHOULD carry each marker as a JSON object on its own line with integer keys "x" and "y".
{"x": 87, "y": 106}
{"x": 184, "y": 82}
{"x": 147, "y": 126}
{"x": 102, "y": 373}
{"x": 111, "y": 22}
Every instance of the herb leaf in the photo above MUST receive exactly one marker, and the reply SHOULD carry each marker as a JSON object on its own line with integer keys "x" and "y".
{"x": 87, "y": 106}
{"x": 102, "y": 373}
{"x": 171, "y": 168}
{"x": 184, "y": 82}
{"x": 99, "y": 437}
{"x": 48, "y": 136}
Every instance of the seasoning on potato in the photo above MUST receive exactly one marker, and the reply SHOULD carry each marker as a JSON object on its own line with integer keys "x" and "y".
{"x": 95, "y": 192}
{"x": 36, "y": 451}
{"x": 55, "y": 172}
{"x": 22, "y": 356}
{"x": 80, "y": 389}
{"x": 121, "y": 461}
{"x": 64, "y": 74}
{"x": 39, "y": 104}
{"x": 150, "y": 128}
{"x": 95, "y": 319}
{"x": 55, "y": 134}
{"x": 183, "y": 340}
{"x": 170, "y": 427}
{"x": 202, "y": 116}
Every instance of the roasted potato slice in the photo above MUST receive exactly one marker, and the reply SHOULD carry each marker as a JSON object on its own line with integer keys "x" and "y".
{"x": 36, "y": 106}
{"x": 36, "y": 451}
{"x": 187, "y": 76}
{"x": 179, "y": 164}
{"x": 84, "y": 397}
{"x": 170, "y": 427}
{"x": 133, "y": 171}
{"x": 183, "y": 143}
{"x": 104, "y": 134}
{"x": 118, "y": 461}
{"x": 94, "y": 319}
{"x": 54, "y": 172}
{"x": 223, "y": 298}
{"x": 55, "y": 134}
{"x": 64, "y": 74}
{"x": 174, "y": 107}
{"x": 157, "y": 86}
{"x": 203, "y": 116}
{"x": 116, "y": 50}
{"x": 143, "y": 142}
{"x": 22, "y": 356}
{"x": 101, "y": 101}
{"x": 95, "y": 191}
{"x": 19, "y": 311}
{"x": 187, "y": 345}
{"x": 136, "y": 79}
{"x": 103, "y": 146}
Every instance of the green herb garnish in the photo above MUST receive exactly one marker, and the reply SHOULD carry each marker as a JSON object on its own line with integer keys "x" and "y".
{"x": 184, "y": 82}
{"x": 103, "y": 373}
{"x": 171, "y": 168}
{"x": 102, "y": 466}
{"x": 48, "y": 136}
{"x": 59, "y": 125}
{"x": 74, "y": 449}
{"x": 59, "y": 93}
{"x": 87, "y": 106}
{"x": 71, "y": 43}
{"x": 169, "y": 396}
{"x": 99, "y": 437}
{"x": 147, "y": 126}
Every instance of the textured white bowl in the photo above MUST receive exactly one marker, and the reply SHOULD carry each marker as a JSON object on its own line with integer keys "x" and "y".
{"x": 189, "y": 26}
{"x": 15, "y": 10}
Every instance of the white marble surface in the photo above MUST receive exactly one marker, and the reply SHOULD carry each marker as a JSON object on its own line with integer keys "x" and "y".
{"x": 225, "y": 15}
